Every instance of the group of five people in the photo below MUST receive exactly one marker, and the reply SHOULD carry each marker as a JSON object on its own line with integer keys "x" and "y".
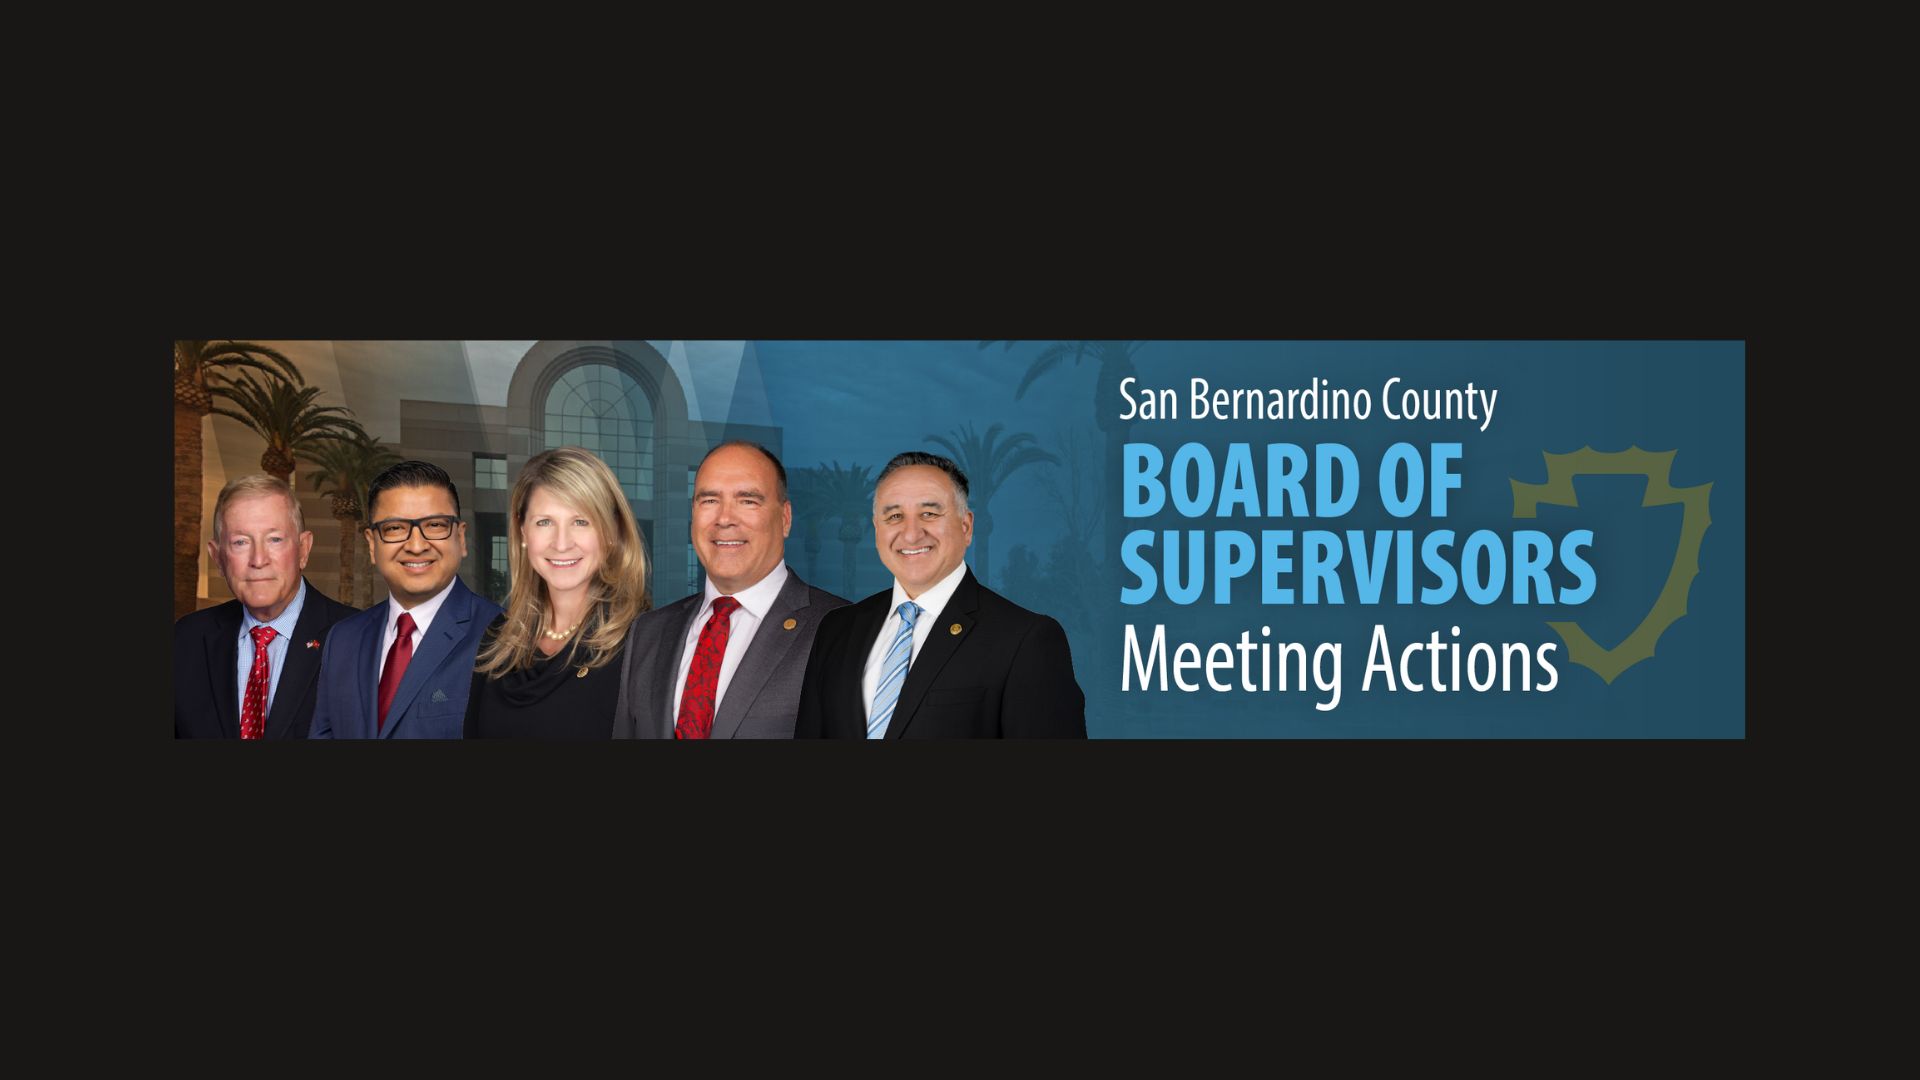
{"x": 579, "y": 652}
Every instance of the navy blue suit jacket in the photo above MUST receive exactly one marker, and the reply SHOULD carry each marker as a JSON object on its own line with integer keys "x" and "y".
{"x": 431, "y": 702}
{"x": 206, "y": 695}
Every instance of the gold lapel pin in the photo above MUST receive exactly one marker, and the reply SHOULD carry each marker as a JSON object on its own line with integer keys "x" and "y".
{"x": 954, "y": 629}
{"x": 581, "y": 674}
{"x": 791, "y": 623}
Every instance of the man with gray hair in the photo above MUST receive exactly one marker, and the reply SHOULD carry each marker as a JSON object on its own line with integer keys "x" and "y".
{"x": 938, "y": 656}
{"x": 245, "y": 669}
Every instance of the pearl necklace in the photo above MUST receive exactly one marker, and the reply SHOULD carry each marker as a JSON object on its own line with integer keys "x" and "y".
{"x": 560, "y": 635}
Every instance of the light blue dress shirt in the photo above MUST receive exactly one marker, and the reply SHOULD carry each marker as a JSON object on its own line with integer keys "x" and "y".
{"x": 276, "y": 649}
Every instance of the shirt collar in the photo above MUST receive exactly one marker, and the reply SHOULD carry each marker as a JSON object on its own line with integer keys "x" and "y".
{"x": 757, "y": 598}
{"x": 282, "y": 623}
{"x": 933, "y": 601}
{"x": 422, "y": 612}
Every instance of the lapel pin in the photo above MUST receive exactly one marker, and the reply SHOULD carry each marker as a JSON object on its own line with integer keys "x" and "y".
{"x": 581, "y": 674}
{"x": 313, "y": 643}
{"x": 791, "y": 623}
{"x": 954, "y": 629}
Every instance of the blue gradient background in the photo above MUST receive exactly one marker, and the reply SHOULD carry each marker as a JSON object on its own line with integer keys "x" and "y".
{"x": 860, "y": 402}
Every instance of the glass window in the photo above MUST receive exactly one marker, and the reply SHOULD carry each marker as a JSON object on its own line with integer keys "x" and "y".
{"x": 694, "y": 580}
{"x": 601, "y": 408}
{"x": 490, "y": 472}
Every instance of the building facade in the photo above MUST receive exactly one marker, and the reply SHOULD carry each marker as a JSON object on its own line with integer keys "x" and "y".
{"x": 480, "y": 410}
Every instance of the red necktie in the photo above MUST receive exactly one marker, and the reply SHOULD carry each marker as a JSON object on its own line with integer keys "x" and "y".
{"x": 703, "y": 678}
{"x": 396, "y": 668}
{"x": 253, "y": 709}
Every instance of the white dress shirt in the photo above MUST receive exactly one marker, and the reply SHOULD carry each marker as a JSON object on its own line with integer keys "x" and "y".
{"x": 931, "y": 603}
{"x": 422, "y": 613}
{"x": 755, "y": 601}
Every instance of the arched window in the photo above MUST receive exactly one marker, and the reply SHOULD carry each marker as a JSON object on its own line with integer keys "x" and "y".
{"x": 601, "y": 408}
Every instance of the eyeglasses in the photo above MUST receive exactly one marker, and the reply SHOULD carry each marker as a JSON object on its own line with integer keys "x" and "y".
{"x": 396, "y": 530}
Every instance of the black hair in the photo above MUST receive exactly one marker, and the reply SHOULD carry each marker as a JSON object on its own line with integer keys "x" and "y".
{"x": 411, "y": 474}
{"x": 921, "y": 457}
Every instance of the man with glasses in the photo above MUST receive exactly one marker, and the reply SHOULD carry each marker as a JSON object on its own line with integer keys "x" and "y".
{"x": 401, "y": 670}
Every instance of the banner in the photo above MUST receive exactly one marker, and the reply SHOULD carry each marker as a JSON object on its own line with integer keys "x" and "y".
{"x": 1323, "y": 539}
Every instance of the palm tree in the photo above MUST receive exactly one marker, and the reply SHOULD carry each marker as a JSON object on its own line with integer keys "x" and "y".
{"x": 846, "y": 494}
{"x": 804, "y": 491}
{"x": 1074, "y": 488}
{"x": 202, "y": 371}
{"x": 288, "y": 419}
{"x": 346, "y": 468}
{"x": 988, "y": 463}
{"x": 1116, "y": 364}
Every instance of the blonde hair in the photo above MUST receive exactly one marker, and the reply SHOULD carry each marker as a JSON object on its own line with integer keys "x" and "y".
{"x": 618, "y": 592}
{"x": 246, "y": 487}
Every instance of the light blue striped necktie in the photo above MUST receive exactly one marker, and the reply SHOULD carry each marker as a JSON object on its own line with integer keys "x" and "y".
{"x": 893, "y": 673}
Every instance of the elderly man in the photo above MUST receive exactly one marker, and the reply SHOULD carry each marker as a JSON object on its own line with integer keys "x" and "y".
{"x": 938, "y": 656}
{"x": 402, "y": 669}
{"x": 245, "y": 669}
{"x": 726, "y": 664}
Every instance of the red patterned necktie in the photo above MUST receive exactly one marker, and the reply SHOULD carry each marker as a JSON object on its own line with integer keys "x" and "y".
{"x": 396, "y": 668}
{"x": 703, "y": 678}
{"x": 253, "y": 709}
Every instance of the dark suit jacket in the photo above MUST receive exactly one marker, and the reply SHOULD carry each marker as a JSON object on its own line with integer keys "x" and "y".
{"x": 206, "y": 655}
{"x": 764, "y": 695}
{"x": 431, "y": 702}
{"x": 1006, "y": 673}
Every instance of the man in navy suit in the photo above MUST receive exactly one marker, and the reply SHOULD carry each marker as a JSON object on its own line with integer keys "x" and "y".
{"x": 401, "y": 670}
{"x": 245, "y": 669}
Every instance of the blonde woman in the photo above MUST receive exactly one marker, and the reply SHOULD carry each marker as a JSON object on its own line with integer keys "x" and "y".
{"x": 549, "y": 666}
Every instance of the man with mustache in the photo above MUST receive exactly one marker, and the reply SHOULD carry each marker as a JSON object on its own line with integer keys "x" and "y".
{"x": 938, "y": 656}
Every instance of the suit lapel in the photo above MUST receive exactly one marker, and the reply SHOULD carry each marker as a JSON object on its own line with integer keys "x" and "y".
{"x": 298, "y": 670}
{"x": 666, "y": 659}
{"x": 369, "y": 682}
{"x": 850, "y": 699}
{"x": 771, "y": 643}
{"x": 942, "y": 643}
{"x": 223, "y": 659}
{"x": 436, "y": 644}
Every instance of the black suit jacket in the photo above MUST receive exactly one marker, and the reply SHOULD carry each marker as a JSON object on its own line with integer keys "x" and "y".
{"x": 990, "y": 669}
{"x": 206, "y": 655}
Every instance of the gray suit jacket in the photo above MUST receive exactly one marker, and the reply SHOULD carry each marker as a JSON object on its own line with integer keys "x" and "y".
{"x": 764, "y": 697}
